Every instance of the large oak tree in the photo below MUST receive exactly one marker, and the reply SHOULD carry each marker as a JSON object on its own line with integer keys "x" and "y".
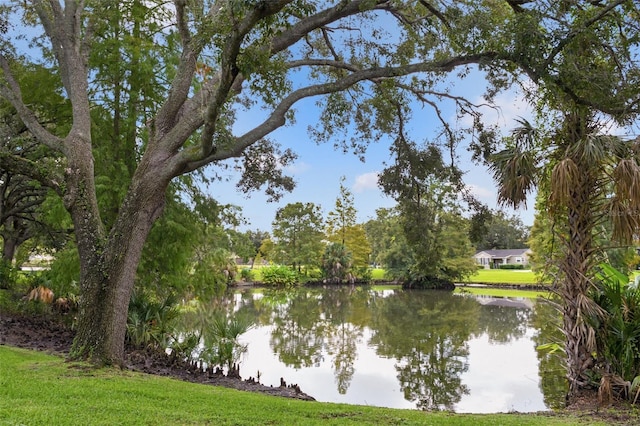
{"x": 364, "y": 60}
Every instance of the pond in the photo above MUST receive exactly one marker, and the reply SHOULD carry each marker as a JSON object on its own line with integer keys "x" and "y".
{"x": 404, "y": 349}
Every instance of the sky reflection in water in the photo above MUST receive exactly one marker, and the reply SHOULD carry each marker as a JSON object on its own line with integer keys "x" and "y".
{"x": 419, "y": 350}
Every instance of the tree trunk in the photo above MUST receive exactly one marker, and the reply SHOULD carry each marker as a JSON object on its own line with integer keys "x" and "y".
{"x": 107, "y": 285}
{"x": 9, "y": 246}
{"x": 577, "y": 265}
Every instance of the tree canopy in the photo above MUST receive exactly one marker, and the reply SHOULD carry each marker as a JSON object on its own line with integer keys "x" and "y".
{"x": 297, "y": 228}
{"x": 203, "y": 83}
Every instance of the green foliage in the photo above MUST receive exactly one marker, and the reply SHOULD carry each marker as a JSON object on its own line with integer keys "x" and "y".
{"x": 389, "y": 247}
{"x": 617, "y": 324}
{"x": 429, "y": 283}
{"x": 297, "y": 229}
{"x": 342, "y": 217}
{"x": 64, "y": 274}
{"x": 358, "y": 244}
{"x": 22, "y": 220}
{"x": 437, "y": 242}
{"x": 185, "y": 346}
{"x": 279, "y": 275}
{"x": 221, "y": 345}
{"x": 510, "y": 266}
{"x": 247, "y": 274}
{"x": 168, "y": 255}
{"x": 151, "y": 322}
{"x": 457, "y": 257}
{"x": 214, "y": 270}
{"x": 8, "y": 275}
{"x": 363, "y": 273}
{"x": 266, "y": 252}
{"x": 336, "y": 263}
{"x": 499, "y": 231}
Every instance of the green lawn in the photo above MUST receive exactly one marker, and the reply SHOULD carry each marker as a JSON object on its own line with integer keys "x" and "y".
{"x": 503, "y": 276}
{"x": 40, "y": 389}
{"x": 486, "y": 276}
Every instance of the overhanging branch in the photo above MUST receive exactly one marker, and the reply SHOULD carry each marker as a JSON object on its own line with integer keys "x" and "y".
{"x": 277, "y": 118}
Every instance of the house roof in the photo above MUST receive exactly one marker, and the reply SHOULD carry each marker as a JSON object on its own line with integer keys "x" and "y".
{"x": 504, "y": 253}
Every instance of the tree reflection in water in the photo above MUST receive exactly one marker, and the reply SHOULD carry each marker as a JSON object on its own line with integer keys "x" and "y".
{"x": 425, "y": 333}
{"x": 553, "y": 381}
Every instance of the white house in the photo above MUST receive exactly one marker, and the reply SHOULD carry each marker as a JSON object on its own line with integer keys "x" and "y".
{"x": 495, "y": 258}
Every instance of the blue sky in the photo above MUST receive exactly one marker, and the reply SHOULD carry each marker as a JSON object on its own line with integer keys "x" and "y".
{"x": 319, "y": 168}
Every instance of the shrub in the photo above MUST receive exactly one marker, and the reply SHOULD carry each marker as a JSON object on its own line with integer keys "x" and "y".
{"x": 247, "y": 274}
{"x": 429, "y": 283}
{"x": 151, "y": 322}
{"x": 617, "y": 327}
{"x": 511, "y": 267}
{"x": 279, "y": 275}
{"x": 8, "y": 275}
{"x": 221, "y": 345}
{"x": 364, "y": 273}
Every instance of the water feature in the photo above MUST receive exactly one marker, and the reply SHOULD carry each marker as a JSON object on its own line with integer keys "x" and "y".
{"x": 403, "y": 349}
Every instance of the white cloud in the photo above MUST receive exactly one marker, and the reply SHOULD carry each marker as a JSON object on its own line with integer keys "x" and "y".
{"x": 366, "y": 181}
{"x": 297, "y": 168}
{"x": 481, "y": 192}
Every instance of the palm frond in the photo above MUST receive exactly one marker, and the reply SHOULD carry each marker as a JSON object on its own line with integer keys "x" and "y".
{"x": 591, "y": 150}
{"x": 626, "y": 177}
{"x": 516, "y": 173}
{"x": 525, "y": 135}
{"x": 564, "y": 178}
{"x": 625, "y": 221}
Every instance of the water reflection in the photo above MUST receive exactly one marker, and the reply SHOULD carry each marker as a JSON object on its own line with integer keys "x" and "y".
{"x": 426, "y": 333}
{"x": 418, "y": 349}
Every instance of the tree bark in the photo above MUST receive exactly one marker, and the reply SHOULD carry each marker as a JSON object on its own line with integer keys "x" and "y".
{"x": 9, "y": 246}
{"x": 576, "y": 270}
{"x": 577, "y": 264}
{"x": 107, "y": 286}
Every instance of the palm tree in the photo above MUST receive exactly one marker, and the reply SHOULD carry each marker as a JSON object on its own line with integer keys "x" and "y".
{"x": 593, "y": 182}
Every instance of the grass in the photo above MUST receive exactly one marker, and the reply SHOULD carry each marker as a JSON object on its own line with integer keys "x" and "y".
{"x": 41, "y": 389}
{"x": 377, "y": 274}
{"x": 488, "y": 276}
{"x": 504, "y": 276}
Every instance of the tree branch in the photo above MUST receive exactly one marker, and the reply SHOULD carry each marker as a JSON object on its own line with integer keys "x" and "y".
{"x": 12, "y": 93}
{"x": 192, "y": 115}
{"x": 277, "y": 117}
{"x": 574, "y": 33}
{"x": 32, "y": 169}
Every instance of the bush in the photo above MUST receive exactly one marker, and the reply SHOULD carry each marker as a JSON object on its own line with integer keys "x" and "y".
{"x": 247, "y": 274}
{"x": 617, "y": 327}
{"x": 429, "y": 283}
{"x": 364, "y": 273}
{"x": 8, "y": 275}
{"x": 151, "y": 322}
{"x": 279, "y": 275}
{"x": 511, "y": 267}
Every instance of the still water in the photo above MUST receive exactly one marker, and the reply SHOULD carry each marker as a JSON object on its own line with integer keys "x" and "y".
{"x": 404, "y": 349}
